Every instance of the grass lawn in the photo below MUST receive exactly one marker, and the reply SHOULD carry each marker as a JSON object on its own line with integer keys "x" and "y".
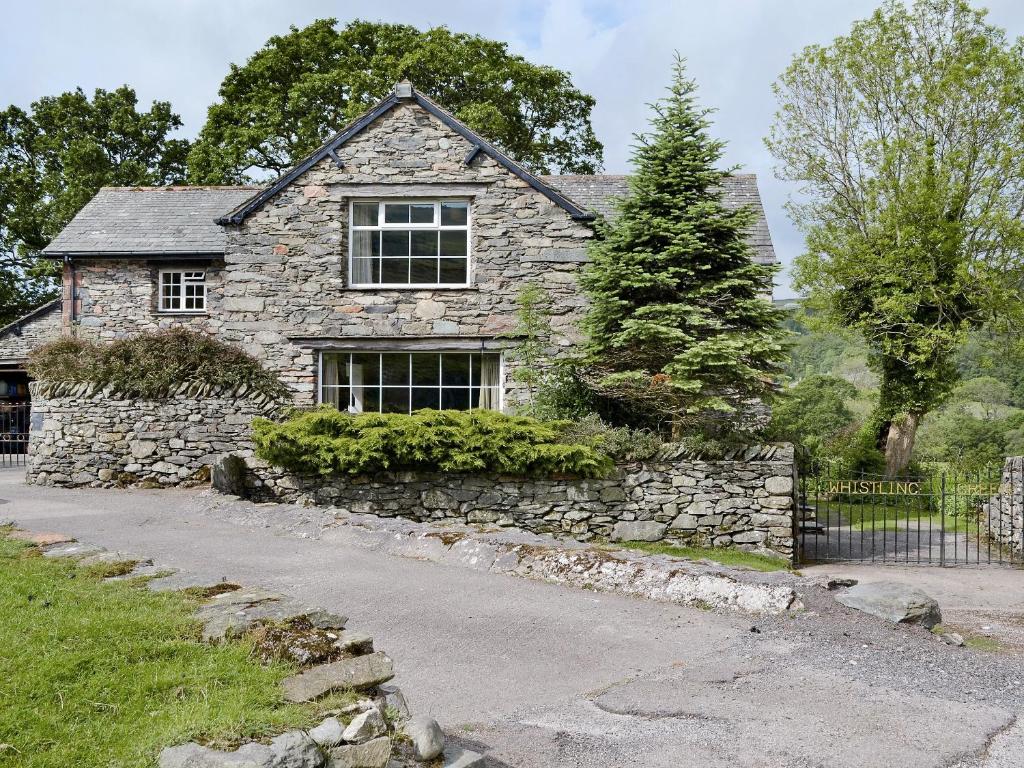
{"x": 718, "y": 554}
{"x": 97, "y": 673}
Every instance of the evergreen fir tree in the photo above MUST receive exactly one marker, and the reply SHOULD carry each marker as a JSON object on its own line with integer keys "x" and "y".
{"x": 679, "y": 327}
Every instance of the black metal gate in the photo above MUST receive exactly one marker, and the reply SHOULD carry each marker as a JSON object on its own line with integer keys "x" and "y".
{"x": 14, "y": 426}
{"x": 948, "y": 518}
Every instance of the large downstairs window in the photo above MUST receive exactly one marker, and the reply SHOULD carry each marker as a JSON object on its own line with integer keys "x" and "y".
{"x": 409, "y": 244}
{"x": 402, "y": 382}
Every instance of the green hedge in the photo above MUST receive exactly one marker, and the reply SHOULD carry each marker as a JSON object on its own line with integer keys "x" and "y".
{"x": 150, "y": 364}
{"x": 326, "y": 441}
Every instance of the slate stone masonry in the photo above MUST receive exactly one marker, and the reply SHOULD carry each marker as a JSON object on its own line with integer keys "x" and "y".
{"x": 82, "y": 435}
{"x": 1003, "y": 514}
{"x": 744, "y": 500}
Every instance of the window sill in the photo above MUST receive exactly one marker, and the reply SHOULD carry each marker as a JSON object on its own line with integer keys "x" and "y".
{"x": 180, "y": 313}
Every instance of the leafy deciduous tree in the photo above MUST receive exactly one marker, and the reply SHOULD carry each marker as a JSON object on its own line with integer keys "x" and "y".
{"x": 53, "y": 159}
{"x": 907, "y": 137}
{"x": 678, "y": 323}
{"x": 301, "y": 87}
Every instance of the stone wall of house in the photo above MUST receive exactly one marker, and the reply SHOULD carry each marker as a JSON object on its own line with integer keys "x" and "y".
{"x": 1003, "y": 514}
{"x": 84, "y": 435}
{"x": 117, "y": 298}
{"x": 745, "y": 500}
{"x": 286, "y": 265}
{"x": 20, "y": 338}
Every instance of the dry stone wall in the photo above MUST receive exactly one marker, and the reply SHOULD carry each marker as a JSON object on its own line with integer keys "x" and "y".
{"x": 744, "y": 500}
{"x": 1003, "y": 514}
{"x": 84, "y": 435}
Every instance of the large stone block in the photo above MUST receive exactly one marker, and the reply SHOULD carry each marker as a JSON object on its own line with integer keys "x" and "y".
{"x": 638, "y": 530}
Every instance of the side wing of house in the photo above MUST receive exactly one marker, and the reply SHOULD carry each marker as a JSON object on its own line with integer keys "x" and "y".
{"x": 17, "y": 340}
{"x": 383, "y": 273}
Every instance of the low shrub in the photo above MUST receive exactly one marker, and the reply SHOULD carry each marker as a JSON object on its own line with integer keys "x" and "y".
{"x": 150, "y": 364}
{"x": 619, "y": 443}
{"x": 326, "y": 441}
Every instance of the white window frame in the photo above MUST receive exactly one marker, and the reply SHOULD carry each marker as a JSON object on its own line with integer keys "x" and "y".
{"x": 434, "y": 227}
{"x": 180, "y": 310}
{"x": 410, "y": 386}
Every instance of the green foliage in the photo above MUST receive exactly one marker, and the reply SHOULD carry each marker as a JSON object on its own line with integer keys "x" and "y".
{"x": 531, "y": 332}
{"x": 620, "y": 443}
{"x": 302, "y": 87}
{"x": 107, "y": 674}
{"x": 149, "y": 364}
{"x": 678, "y": 326}
{"x": 912, "y": 214}
{"x": 53, "y": 159}
{"x": 814, "y": 414}
{"x": 325, "y": 441}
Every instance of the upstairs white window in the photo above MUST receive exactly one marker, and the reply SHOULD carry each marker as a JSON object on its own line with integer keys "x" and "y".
{"x": 413, "y": 244}
{"x": 182, "y": 291}
{"x": 402, "y": 382}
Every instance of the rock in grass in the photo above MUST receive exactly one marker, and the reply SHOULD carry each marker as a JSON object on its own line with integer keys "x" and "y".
{"x": 74, "y": 551}
{"x": 892, "y": 601}
{"x": 457, "y": 757}
{"x": 360, "y": 672}
{"x": 296, "y": 749}
{"x": 368, "y": 725}
{"x": 391, "y": 697}
{"x": 194, "y": 755}
{"x": 372, "y": 754}
{"x": 330, "y": 733}
{"x": 426, "y": 736}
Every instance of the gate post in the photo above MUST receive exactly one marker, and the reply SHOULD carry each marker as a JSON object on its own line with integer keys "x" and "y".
{"x": 942, "y": 520}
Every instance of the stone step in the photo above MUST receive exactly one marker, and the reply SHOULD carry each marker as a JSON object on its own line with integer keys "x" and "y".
{"x": 360, "y": 673}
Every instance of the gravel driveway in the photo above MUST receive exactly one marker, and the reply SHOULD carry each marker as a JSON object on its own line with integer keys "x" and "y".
{"x": 541, "y": 675}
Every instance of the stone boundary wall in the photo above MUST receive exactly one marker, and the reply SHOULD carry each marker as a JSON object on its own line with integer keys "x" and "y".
{"x": 82, "y": 434}
{"x": 1003, "y": 514}
{"x": 745, "y": 500}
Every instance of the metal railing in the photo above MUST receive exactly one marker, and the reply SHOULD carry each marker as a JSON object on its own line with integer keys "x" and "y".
{"x": 946, "y": 518}
{"x": 14, "y": 428}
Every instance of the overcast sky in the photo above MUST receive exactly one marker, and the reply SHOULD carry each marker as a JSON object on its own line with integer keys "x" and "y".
{"x": 618, "y": 50}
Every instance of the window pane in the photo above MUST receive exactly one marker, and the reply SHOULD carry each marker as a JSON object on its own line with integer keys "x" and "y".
{"x": 454, "y": 214}
{"x": 424, "y": 243}
{"x": 421, "y": 213}
{"x": 365, "y": 271}
{"x": 395, "y": 368}
{"x": 455, "y": 370}
{"x": 395, "y": 271}
{"x": 396, "y": 213}
{"x": 365, "y": 399}
{"x": 426, "y": 397}
{"x": 336, "y": 396}
{"x": 395, "y": 400}
{"x": 334, "y": 369}
{"x": 365, "y": 244}
{"x": 455, "y": 399}
{"x": 423, "y": 271}
{"x": 453, "y": 242}
{"x": 364, "y": 214}
{"x": 426, "y": 369}
{"x": 365, "y": 368}
{"x": 395, "y": 242}
{"x": 453, "y": 271}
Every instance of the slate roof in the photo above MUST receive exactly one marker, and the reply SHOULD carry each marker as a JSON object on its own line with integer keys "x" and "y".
{"x": 598, "y": 194}
{"x": 149, "y": 221}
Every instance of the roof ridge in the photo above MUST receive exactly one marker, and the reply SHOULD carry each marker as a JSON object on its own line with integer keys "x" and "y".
{"x": 182, "y": 187}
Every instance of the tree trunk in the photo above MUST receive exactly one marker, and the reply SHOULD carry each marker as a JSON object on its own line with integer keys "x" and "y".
{"x": 899, "y": 443}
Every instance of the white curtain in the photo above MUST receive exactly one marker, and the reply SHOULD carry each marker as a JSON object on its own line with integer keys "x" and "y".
{"x": 355, "y": 373}
{"x": 490, "y": 382}
{"x": 362, "y": 251}
{"x": 330, "y": 394}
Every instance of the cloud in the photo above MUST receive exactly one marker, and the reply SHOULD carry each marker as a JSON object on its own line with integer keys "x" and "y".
{"x": 618, "y": 50}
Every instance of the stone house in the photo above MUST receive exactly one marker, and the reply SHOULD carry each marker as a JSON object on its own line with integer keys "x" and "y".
{"x": 379, "y": 273}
